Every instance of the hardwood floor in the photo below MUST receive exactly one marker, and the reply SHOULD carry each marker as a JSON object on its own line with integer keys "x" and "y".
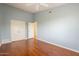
{"x": 31, "y": 48}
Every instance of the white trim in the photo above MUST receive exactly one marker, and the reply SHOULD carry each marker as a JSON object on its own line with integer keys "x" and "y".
{"x": 60, "y": 46}
{"x": 3, "y": 42}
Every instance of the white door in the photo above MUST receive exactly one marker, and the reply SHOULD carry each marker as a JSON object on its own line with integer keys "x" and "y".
{"x": 18, "y": 30}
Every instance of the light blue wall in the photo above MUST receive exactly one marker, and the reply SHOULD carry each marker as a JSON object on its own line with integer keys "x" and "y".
{"x": 10, "y": 13}
{"x": 1, "y": 20}
{"x": 61, "y": 26}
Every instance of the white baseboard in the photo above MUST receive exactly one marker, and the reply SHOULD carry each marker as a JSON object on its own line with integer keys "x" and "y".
{"x": 3, "y": 42}
{"x": 60, "y": 46}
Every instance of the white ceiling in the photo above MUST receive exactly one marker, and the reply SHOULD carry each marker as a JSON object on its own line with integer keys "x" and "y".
{"x": 35, "y": 7}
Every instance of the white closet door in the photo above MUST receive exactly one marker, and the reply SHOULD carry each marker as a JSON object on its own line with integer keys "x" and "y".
{"x": 18, "y": 30}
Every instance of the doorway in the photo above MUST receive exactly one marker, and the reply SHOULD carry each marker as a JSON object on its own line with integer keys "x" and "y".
{"x": 32, "y": 30}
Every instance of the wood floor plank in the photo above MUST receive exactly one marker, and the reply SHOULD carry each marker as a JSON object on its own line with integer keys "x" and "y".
{"x": 28, "y": 48}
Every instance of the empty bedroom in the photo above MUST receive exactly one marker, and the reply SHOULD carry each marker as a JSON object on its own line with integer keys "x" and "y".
{"x": 39, "y": 29}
